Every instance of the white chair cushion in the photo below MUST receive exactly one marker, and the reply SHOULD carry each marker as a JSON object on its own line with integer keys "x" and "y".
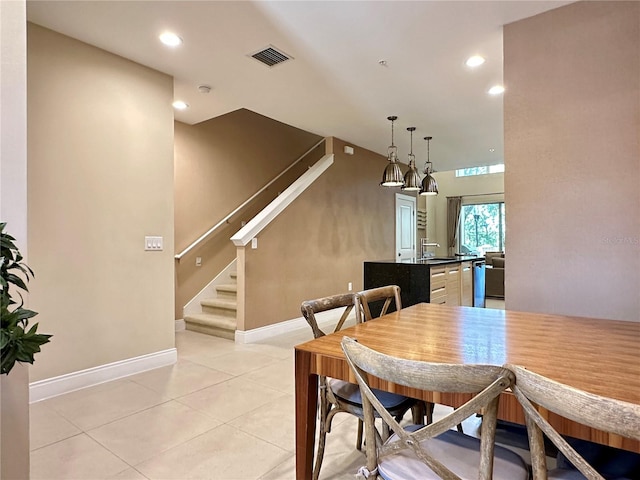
{"x": 459, "y": 452}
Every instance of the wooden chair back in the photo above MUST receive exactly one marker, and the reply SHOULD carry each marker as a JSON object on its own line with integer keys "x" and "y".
{"x": 331, "y": 402}
{"x": 595, "y": 411}
{"x": 364, "y": 299}
{"x": 310, "y": 307}
{"x": 487, "y": 382}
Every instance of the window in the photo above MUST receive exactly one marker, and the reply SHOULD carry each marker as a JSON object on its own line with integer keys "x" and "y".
{"x": 482, "y": 228}
{"x": 467, "y": 172}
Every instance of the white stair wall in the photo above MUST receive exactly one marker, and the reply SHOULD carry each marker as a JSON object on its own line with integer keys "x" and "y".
{"x": 217, "y": 312}
{"x": 209, "y": 291}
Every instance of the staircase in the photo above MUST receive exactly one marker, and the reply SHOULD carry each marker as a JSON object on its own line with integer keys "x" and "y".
{"x": 218, "y": 317}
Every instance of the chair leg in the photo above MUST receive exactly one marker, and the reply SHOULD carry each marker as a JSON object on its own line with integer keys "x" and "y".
{"x": 430, "y": 407}
{"x": 386, "y": 431}
{"x": 418, "y": 412}
{"x": 322, "y": 437}
{"x": 359, "y": 437}
{"x": 459, "y": 427}
{"x": 319, "y": 455}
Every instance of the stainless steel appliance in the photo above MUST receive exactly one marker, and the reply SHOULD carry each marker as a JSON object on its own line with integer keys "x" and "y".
{"x": 478, "y": 283}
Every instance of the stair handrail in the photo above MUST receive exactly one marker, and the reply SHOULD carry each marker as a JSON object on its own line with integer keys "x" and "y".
{"x": 281, "y": 202}
{"x": 222, "y": 222}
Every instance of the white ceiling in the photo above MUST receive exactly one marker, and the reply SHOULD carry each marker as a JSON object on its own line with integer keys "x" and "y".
{"x": 335, "y": 85}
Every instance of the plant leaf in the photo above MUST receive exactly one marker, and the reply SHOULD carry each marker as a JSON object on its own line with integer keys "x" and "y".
{"x": 19, "y": 342}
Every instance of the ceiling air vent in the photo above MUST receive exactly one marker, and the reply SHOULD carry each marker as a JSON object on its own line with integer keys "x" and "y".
{"x": 270, "y": 56}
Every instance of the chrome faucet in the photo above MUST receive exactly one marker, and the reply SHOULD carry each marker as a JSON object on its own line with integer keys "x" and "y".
{"x": 425, "y": 253}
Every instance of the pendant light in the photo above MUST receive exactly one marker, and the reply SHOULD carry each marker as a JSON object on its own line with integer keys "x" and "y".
{"x": 392, "y": 176}
{"x": 411, "y": 178}
{"x": 429, "y": 184}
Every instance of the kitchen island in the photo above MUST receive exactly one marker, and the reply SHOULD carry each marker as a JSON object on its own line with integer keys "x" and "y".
{"x": 455, "y": 280}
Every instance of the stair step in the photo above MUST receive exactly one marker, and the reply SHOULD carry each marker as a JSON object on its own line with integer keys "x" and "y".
{"x": 227, "y": 291}
{"x": 222, "y": 303}
{"x": 220, "y": 306}
{"x": 210, "y": 324}
{"x": 218, "y": 317}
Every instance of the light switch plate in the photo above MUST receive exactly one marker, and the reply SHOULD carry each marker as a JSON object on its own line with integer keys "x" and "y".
{"x": 254, "y": 243}
{"x": 153, "y": 243}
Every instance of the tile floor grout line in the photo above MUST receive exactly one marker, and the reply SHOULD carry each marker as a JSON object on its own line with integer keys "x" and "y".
{"x": 194, "y": 349}
{"x": 82, "y": 432}
{"x": 133, "y": 465}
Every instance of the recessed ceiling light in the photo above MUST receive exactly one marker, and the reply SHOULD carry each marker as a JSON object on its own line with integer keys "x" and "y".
{"x": 496, "y": 90}
{"x": 474, "y": 61}
{"x": 180, "y": 105}
{"x": 492, "y": 150}
{"x": 170, "y": 39}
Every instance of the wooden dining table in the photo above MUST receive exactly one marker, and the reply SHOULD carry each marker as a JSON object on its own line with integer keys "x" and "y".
{"x": 595, "y": 355}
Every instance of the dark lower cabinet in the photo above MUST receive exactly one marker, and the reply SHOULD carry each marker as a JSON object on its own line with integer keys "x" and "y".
{"x": 446, "y": 281}
{"x": 413, "y": 280}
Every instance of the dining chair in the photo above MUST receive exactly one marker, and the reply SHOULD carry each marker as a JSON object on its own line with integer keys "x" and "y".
{"x": 389, "y": 295}
{"x": 368, "y": 300}
{"x": 601, "y": 413}
{"x": 335, "y": 395}
{"x": 433, "y": 451}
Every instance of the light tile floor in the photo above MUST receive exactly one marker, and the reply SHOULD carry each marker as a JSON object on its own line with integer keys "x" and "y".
{"x": 223, "y": 411}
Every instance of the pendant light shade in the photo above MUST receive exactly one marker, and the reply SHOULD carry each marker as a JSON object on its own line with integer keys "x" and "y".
{"x": 392, "y": 176}
{"x": 411, "y": 178}
{"x": 429, "y": 184}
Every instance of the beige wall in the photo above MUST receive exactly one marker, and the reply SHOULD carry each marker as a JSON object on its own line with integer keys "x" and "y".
{"x": 572, "y": 154}
{"x": 100, "y": 178}
{"x": 219, "y": 164}
{"x": 473, "y": 189}
{"x": 14, "y": 388}
{"x": 317, "y": 246}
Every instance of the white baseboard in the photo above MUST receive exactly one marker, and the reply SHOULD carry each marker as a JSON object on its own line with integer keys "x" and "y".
{"x": 289, "y": 327}
{"x": 262, "y": 333}
{"x": 52, "y": 387}
{"x": 180, "y": 325}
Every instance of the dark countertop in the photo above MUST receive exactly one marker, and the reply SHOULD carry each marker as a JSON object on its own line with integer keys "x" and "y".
{"x": 430, "y": 260}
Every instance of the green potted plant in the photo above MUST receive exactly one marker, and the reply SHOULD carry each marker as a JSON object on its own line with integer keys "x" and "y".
{"x": 19, "y": 343}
